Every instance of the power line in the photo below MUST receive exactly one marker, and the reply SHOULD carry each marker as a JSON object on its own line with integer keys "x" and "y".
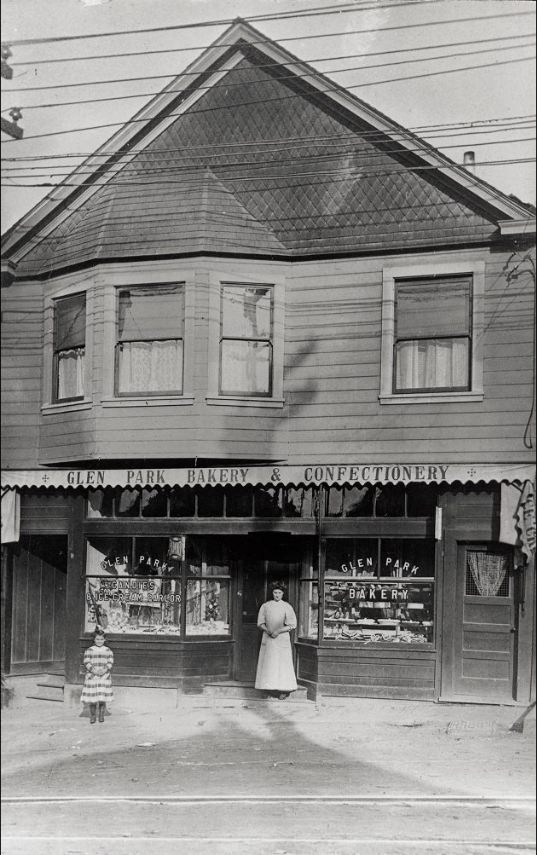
{"x": 232, "y": 165}
{"x": 336, "y": 89}
{"x": 480, "y": 126}
{"x": 227, "y": 85}
{"x": 132, "y": 183}
{"x": 284, "y": 39}
{"x": 226, "y": 22}
{"x": 270, "y": 65}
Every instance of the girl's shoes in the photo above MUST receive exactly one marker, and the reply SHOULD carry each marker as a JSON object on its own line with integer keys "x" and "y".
{"x": 93, "y": 713}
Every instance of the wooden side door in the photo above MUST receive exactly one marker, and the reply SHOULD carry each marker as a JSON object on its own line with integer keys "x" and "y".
{"x": 38, "y": 588}
{"x": 480, "y": 645}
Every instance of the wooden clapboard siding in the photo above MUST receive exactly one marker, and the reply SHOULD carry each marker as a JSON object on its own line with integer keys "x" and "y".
{"x": 331, "y": 375}
{"x": 21, "y": 358}
{"x": 333, "y": 344}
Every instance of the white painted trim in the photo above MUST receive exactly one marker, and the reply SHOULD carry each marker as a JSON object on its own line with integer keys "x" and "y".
{"x": 169, "y": 401}
{"x": 438, "y": 267}
{"x": 517, "y": 227}
{"x": 51, "y": 409}
{"x": 123, "y": 278}
{"x": 241, "y": 274}
{"x": 276, "y": 403}
{"x": 66, "y": 288}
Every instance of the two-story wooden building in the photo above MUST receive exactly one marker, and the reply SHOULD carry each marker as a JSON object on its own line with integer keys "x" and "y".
{"x": 267, "y": 333}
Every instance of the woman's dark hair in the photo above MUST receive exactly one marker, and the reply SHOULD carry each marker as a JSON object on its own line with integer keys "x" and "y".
{"x": 97, "y": 632}
{"x": 278, "y": 586}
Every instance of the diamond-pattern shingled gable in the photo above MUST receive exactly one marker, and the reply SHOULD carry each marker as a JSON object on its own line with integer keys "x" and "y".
{"x": 257, "y": 167}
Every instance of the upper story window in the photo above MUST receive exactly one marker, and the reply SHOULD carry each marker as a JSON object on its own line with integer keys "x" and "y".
{"x": 433, "y": 335}
{"x": 246, "y": 340}
{"x": 69, "y": 347}
{"x": 150, "y": 337}
{"x": 432, "y": 331}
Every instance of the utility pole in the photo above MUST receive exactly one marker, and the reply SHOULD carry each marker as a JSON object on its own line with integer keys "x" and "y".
{"x": 10, "y": 128}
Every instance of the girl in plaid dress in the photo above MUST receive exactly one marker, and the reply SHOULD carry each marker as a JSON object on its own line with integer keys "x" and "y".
{"x": 97, "y": 690}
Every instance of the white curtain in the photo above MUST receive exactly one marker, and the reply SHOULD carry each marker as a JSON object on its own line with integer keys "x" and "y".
{"x": 246, "y": 367}
{"x": 488, "y": 571}
{"x": 432, "y": 364}
{"x": 151, "y": 366}
{"x": 71, "y": 373}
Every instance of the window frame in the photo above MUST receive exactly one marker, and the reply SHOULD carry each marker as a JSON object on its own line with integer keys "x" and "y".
{"x": 417, "y": 338}
{"x": 233, "y": 393}
{"x": 56, "y": 351}
{"x": 240, "y": 275}
{"x": 140, "y": 393}
{"x": 441, "y": 267}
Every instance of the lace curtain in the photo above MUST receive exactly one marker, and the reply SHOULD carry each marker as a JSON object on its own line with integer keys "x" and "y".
{"x": 151, "y": 366}
{"x": 432, "y": 364}
{"x": 488, "y": 572}
{"x": 71, "y": 373}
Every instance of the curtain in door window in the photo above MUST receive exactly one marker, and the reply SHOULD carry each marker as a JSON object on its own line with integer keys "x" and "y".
{"x": 488, "y": 572}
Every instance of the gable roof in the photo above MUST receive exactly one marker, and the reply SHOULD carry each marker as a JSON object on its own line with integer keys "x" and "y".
{"x": 243, "y": 155}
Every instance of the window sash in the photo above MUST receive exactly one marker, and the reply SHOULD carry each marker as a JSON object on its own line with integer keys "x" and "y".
{"x": 69, "y": 374}
{"x": 149, "y": 367}
{"x": 433, "y": 341}
{"x": 69, "y": 322}
{"x": 245, "y": 367}
{"x": 436, "y": 365}
{"x": 150, "y": 313}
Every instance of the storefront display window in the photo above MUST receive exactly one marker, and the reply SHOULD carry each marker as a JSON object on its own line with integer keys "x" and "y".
{"x": 379, "y": 590}
{"x": 140, "y": 584}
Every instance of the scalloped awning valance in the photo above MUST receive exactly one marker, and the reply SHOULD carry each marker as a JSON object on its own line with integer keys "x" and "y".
{"x": 274, "y": 475}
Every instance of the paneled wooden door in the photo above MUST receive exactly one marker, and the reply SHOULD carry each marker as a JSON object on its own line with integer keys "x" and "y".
{"x": 264, "y": 562}
{"x": 38, "y": 588}
{"x": 480, "y": 626}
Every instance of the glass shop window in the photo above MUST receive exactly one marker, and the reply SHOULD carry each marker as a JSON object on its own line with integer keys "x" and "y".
{"x": 432, "y": 344}
{"x": 246, "y": 340}
{"x": 150, "y": 333}
{"x": 379, "y": 590}
{"x": 390, "y": 500}
{"x": 298, "y": 502}
{"x": 69, "y": 348}
{"x": 308, "y": 602}
{"x": 155, "y": 585}
{"x": 239, "y": 501}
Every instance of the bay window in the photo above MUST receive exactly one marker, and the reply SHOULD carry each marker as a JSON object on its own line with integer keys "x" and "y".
{"x": 69, "y": 347}
{"x": 150, "y": 336}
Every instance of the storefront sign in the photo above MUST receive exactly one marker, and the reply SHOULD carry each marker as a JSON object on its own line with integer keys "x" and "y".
{"x": 314, "y": 474}
{"x": 368, "y": 593}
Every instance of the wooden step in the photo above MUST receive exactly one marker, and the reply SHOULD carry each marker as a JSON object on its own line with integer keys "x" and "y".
{"x": 246, "y": 691}
{"x": 49, "y": 688}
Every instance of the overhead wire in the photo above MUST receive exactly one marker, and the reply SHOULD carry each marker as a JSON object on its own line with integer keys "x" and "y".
{"x": 366, "y": 156}
{"x": 228, "y": 84}
{"x": 306, "y": 37}
{"x": 335, "y": 89}
{"x": 443, "y": 131}
{"x": 271, "y": 65}
{"x": 439, "y": 166}
{"x": 276, "y": 16}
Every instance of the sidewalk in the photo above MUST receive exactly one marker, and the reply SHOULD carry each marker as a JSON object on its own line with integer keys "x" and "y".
{"x": 351, "y": 747}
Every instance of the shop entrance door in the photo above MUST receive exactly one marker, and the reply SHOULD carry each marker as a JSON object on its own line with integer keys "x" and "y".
{"x": 265, "y": 561}
{"x": 38, "y": 587}
{"x": 480, "y": 626}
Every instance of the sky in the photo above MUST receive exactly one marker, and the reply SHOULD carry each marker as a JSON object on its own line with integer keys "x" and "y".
{"x": 414, "y": 45}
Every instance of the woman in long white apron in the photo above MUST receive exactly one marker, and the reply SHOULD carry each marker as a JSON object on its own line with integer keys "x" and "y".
{"x": 275, "y": 672}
